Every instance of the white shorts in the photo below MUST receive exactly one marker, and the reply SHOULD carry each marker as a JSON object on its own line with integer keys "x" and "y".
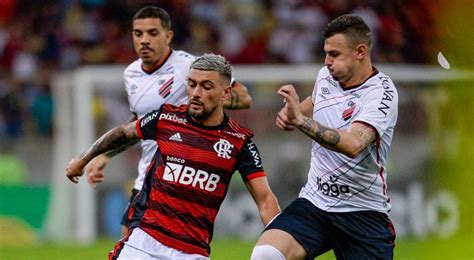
{"x": 142, "y": 246}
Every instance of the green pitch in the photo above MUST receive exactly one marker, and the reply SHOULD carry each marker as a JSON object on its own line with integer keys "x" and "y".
{"x": 458, "y": 248}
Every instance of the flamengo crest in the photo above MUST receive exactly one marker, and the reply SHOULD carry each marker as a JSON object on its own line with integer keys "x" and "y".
{"x": 223, "y": 148}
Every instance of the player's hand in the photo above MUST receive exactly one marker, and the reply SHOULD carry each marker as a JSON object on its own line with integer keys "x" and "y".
{"x": 292, "y": 109}
{"x": 282, "y": 121}
{"x": 95, "y": 169}
{"x": 75, "y": 169}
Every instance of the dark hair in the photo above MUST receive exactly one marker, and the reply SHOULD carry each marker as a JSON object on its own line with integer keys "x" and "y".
{"x": 214, "y": 62}
{"x": 352, "y": 26}
{"x": 154, "y": 12}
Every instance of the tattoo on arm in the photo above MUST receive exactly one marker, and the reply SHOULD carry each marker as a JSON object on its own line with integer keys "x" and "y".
{"x": 124, "y": 147}
{"x": 114, "y": 139}
{"x": 234, "y": 99}
{"x": 321, "y": 134}
{"x": 365, "y": 134}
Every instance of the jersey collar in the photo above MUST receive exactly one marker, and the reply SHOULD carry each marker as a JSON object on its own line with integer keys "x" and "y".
{"x": 374, "y": 72}
{"x": 159, "y": 65}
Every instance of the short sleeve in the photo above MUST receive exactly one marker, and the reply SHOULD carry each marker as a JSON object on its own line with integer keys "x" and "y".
{"x": 380, "y": 108}
{"x": 250, "y": 163}
{"x": 147, "y": 126}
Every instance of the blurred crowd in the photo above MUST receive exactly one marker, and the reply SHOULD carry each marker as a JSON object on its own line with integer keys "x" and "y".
{"x": 37, "y": 39}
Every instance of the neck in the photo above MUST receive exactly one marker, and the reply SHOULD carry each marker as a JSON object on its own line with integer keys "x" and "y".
{"x": 212, "y": 120}
{"x": 359, "y": 76}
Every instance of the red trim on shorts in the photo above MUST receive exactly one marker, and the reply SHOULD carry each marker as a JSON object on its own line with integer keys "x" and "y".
{"x": 256, "y": 175}
{"x": 115, "y": 253}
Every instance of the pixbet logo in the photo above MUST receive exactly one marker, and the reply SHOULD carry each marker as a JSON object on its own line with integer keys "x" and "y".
{"x": 186, "y": 175}
{"x": 173, "y": 118}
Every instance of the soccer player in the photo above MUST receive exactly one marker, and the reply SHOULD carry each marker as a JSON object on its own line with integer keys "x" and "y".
{"x": 351, "y": 117}
{"x": 199, "y": 148}
{"x": 157, "y": 77}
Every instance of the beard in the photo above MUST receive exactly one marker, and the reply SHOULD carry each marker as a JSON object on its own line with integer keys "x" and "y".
{"x": 202, "y": 114}
{"x": 198, "y": 114}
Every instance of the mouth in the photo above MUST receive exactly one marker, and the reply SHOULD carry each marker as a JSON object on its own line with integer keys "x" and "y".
{"x": 195, "y": 103}
{"x": 145, "y": 51}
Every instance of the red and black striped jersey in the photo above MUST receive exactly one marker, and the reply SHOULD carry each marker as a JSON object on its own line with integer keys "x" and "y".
{"x": 189, "y": 177}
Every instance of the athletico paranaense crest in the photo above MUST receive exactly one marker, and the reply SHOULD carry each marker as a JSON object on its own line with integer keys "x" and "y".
{"x": 347, "y": 113}
{"x": 165, "y": 89}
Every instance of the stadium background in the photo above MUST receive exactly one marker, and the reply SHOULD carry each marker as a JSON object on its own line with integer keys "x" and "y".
{"x": 430, "y": 174}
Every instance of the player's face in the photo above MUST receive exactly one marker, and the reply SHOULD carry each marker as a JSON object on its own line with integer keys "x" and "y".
{"x": 151, "y": 41}
{"x": 206, "y": 95}
{"x": 341, "y": 57}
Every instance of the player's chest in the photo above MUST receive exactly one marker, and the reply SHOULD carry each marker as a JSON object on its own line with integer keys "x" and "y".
{"x": 151, "y": 91}
{"x": 336, "y": 108}
{"x": 210, "y": 147}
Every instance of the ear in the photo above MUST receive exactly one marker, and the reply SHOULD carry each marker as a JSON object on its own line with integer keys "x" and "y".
{"x": 361, "y": 51}
{"x": 226, "y": 93}
{"x": 169, "y": 36}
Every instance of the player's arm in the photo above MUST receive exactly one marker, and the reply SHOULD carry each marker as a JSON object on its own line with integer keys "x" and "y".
{"x": 95, "y": 169}
{"x": 263, "y": 196}
{"x": 351, "y": 142}
{"x": 124, "y": 147}
{"x": 239, "y": 97}
{"x": 113, "y": 139}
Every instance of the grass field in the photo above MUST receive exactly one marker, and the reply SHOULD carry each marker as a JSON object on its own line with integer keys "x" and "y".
{"x": 457, "y": 248}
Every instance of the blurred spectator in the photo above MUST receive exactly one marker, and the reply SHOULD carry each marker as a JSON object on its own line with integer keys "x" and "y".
{"x": 67, "y": 34}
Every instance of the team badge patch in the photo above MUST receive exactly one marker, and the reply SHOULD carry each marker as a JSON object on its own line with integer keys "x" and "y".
{"x": 223, "y": 148}
{"x": 165, "y": 89}
{"x": 347, "y": 114}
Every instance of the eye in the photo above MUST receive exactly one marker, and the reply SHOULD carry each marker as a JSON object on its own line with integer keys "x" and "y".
{"x": 208, "y": 86}
{"x": 154, "y": 33}
{"x": 137, "y": 33}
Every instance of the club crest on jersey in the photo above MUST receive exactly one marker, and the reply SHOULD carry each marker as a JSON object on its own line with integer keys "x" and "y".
{"x": 223, "y": 148}
{"x": 165, "y": 88}
{"x": 347, "y": 114}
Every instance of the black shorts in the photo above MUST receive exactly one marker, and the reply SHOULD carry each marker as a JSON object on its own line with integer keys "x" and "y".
{"x": 125, "y": 221}
{"x": 352, "y": 235}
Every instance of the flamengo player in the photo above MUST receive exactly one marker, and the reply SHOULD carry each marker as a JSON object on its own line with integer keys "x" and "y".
{"x": 157, "y": 77}
{"x": 199, "y": 148}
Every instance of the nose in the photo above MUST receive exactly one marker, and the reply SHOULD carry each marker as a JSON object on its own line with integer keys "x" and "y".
{"x": 196, "y": 92}
{"x": 328, "y": 61}
{"x": 145, "y": 40}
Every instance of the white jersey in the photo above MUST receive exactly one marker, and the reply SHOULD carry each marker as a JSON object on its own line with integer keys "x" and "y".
{"x": 336, "y": 182}
{"x": 148, "y": 91}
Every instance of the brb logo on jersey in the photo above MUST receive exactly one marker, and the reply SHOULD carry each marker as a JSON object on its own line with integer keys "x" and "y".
{"x": 187, "y": 175}
{"x": 223, "y": 148}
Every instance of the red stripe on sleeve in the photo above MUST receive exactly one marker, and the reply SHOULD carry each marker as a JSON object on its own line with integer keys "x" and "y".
{"x": 255, "y": 175}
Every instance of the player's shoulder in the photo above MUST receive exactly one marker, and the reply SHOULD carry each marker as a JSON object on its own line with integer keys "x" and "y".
{"x": 182, "y": 56}
{"x": 133, "y": 68}
{"x": 235, "y": 128}
{"x": 323, "y": 72}
{"x": 381, "y": 81}
{"x": 172, "y": 108}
